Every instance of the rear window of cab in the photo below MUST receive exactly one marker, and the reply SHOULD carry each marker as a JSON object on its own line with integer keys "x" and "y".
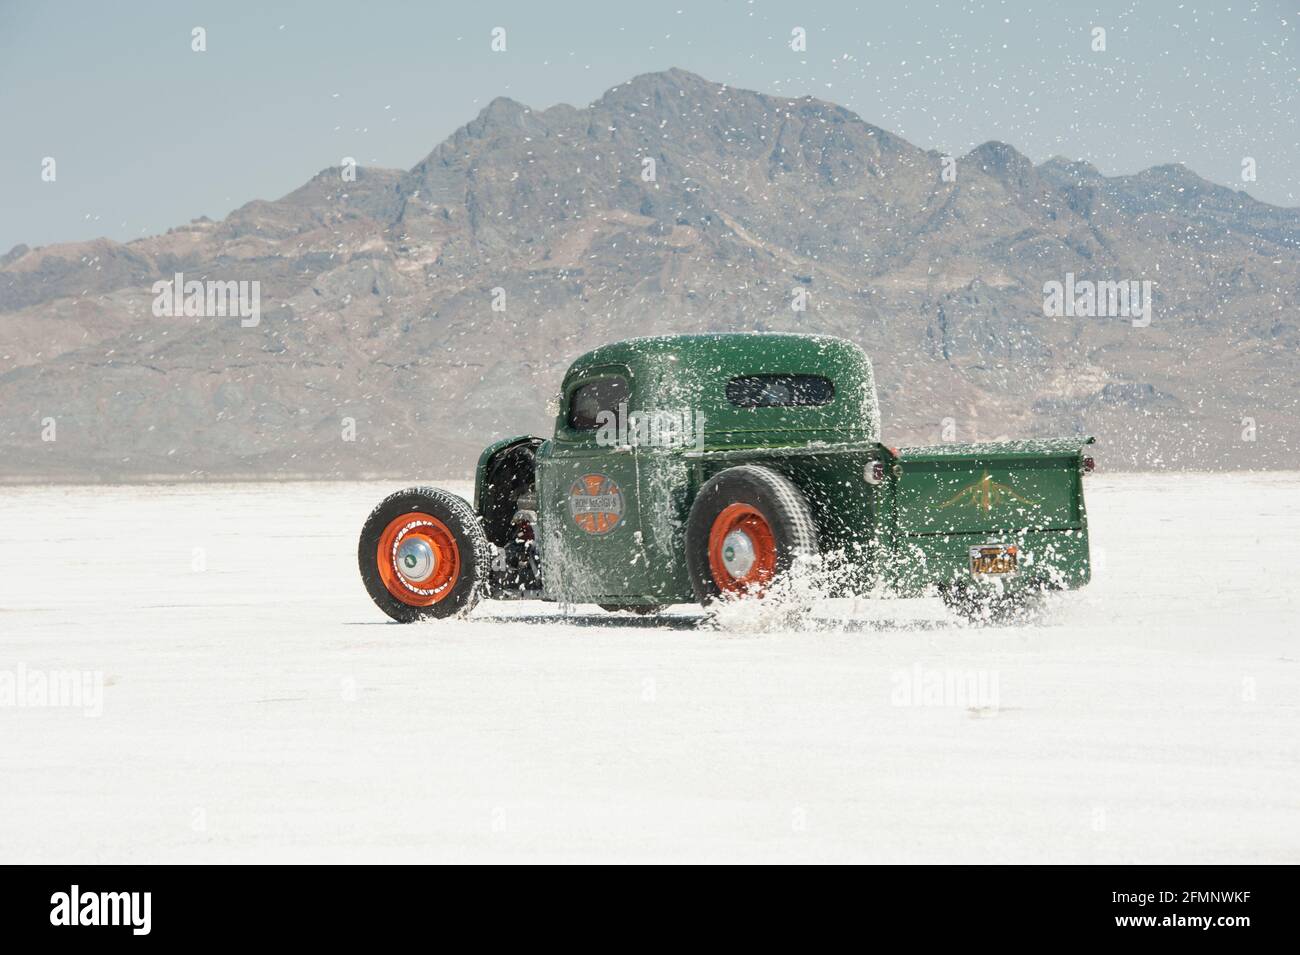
{"x": 780, "y": 391}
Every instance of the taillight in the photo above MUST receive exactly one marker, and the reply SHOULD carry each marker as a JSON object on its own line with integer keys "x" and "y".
{"x": 1088, "y": 465}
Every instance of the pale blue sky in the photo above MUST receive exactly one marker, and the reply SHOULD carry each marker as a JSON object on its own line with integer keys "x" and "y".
{"x": 148, "y": 134}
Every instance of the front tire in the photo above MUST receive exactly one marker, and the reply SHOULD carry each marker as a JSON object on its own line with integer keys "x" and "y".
{"x": 746, "y": 529}
{"x": 423, "y": 554}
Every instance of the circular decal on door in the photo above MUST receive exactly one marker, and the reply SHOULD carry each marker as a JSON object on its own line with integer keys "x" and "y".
{"x": 596, "y": 503}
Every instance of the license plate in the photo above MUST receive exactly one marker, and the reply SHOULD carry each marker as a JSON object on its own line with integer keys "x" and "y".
{"x": 993, "y": 560}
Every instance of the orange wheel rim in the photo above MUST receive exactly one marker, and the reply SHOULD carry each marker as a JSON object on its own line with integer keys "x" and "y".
{"x": 742, "y": 550}
{"x": 418, "y": 558}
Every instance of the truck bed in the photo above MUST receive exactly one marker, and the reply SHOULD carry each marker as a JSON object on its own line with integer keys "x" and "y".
{"x": 954, "y": 497}
{"x": 981, "y": 488}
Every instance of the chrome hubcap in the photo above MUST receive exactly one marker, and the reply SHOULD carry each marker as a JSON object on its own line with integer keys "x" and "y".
{"x": 415, "y": 559}
{"x": 737, "y": 553}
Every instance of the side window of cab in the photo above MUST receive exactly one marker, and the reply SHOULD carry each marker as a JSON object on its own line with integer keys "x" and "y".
{"x": 590, "y": 398}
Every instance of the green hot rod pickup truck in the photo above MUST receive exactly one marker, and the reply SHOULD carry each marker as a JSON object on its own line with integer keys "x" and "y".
{"x": 698, "y": 467}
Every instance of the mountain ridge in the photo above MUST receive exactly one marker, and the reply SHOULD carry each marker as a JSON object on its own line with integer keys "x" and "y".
{"x": 380, "y": 289}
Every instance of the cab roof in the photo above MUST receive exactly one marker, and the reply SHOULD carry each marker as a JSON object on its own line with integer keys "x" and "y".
{"x": 691, "y": 372}
{"x": 723, "y": 348}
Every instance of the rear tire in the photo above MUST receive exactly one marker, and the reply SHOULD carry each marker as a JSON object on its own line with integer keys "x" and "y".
{"x": 989, "y": 608}
{"x": 746, "y": 529}
{"x": 423, "y": 555}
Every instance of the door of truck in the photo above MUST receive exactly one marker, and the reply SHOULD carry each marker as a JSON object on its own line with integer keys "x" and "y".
{"x": 592, "y": 548}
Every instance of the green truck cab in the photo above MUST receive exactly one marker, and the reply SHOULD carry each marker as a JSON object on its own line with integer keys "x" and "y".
{"x": 695, "y": 468}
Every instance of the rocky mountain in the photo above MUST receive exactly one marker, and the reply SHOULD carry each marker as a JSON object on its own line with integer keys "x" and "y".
{"x": 406, "y": 318}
